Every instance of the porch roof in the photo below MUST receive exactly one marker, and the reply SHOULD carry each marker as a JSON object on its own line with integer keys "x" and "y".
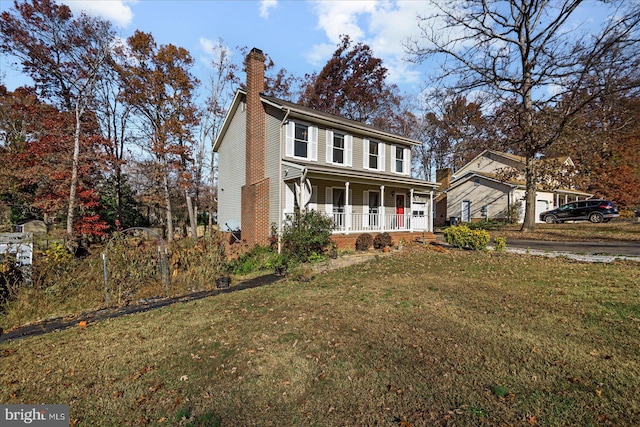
{"x": 329, "y": 173}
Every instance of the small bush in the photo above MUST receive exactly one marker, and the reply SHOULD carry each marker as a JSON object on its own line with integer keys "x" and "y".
{"x": 463, "y": 237}
{"x": 381, "y": 240}
{"x": 500, "y": 244}
{"x": 306, "y": 234}
{"x": 364, "y": 242}
{"x": 627, "y": 213}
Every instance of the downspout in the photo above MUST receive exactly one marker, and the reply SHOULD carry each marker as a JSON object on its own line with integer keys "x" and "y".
{"x": 286, "y": 116}
{"x": 430, "y": 222}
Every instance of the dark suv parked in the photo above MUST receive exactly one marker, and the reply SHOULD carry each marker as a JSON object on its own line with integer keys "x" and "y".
{"x": 594, "y": 210}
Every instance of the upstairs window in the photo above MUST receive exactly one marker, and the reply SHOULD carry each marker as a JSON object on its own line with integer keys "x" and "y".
{"x": 373, "y": 155}
{"x": 301, "y": 141}
{"x": 339, "y": 148}
{"x": 402, "y": 161}
{"x": 399, "y": 160}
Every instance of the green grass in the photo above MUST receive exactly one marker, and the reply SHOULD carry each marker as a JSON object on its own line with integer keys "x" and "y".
{"x": 420, "y": 338}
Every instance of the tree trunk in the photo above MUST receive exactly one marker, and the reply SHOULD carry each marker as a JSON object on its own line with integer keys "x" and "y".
{"x": 192, "y": 215}
{"x": 74, "y": 175}
{"x": 529, "y": 223}
{"x": 167, "y": 202}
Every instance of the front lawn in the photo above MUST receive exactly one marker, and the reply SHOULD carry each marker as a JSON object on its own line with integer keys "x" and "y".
{"x": 418, "y": 338}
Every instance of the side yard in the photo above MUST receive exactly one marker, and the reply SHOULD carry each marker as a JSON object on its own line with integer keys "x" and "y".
{"x": 418, "y": 338}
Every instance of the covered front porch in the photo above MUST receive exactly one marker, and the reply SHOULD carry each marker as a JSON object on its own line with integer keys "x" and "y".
{"x": 362, "y": 204}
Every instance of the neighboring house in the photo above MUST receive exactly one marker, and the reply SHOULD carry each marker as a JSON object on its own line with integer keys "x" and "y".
{"x": 275, "y": 156}
{"x": 34, "y": 226}
{"x": 491, "y": 186}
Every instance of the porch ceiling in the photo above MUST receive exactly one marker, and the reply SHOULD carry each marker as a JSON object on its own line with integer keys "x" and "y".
{"x": 364, "y": 177}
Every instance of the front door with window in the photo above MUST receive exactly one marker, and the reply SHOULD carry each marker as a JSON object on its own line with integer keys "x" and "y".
{"x": 400, "y": 210}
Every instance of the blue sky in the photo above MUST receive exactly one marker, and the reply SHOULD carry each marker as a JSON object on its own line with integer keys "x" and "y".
{"x": 298, "y": 35}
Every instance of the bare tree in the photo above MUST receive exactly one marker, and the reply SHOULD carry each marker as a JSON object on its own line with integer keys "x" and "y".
{"x": 531, "y": 52}
{"x": 223, "y": 79}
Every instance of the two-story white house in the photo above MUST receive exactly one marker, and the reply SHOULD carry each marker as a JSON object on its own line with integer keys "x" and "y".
{"x": 275, "y": 156}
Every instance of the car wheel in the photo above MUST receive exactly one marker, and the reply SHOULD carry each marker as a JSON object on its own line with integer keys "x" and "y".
{"x": 596, "y": 217}
{"x": 550, "y": 219}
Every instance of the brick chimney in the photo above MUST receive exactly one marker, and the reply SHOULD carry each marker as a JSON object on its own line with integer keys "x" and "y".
{"x": 255, "y": 193}
{"x": 443, "y": 176}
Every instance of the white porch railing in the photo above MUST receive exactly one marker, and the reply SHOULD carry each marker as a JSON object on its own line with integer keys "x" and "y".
{"x": 363, "y": 223}
{"x": 367, "y": 223}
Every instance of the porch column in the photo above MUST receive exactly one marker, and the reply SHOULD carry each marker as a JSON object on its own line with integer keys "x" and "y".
{"x": 347, "y": 210}
{"x": 430, "y": 220}
{"x": 411, "y": 210}
{"x": 382, "y": 217}
{"x": 300, "y": 195}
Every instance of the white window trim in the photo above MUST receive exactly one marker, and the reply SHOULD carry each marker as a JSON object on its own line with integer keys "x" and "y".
{"x": 348, "y": 149}
{"x": 406, "y": 160}
{"x": 381, "y": 155}
{"x": 312, "y": 147}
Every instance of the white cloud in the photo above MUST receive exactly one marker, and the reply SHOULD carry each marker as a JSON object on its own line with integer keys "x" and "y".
{"x": 384, "y": 25}
{"x": 213, "y": 51}
{"x": 266, "y": 6}
{"x": 116, "y": 11}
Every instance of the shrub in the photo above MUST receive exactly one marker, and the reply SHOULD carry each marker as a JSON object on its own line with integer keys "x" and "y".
{"x": 500, "y": 244}
{"x": 307, "y": 233}
{"x": 10, "y": 279}
{"x": 382, "y": 240}
{"x": 486, "y": 225}
{"x": 513, "y": 212}
{"x": 463, "y": 237}
{"x": 364, "y": 242}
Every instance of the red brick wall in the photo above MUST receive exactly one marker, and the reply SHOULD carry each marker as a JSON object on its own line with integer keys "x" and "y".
{"x": 255, "y": 225}
{"x": 255, "y": 148}
{"x": 344, "y": 241}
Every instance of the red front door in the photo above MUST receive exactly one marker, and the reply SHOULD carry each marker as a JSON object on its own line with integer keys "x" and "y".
{"x": 400, "y": 210}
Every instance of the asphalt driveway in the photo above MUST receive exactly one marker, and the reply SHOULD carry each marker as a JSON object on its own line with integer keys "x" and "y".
{"x": 590, "y": 248}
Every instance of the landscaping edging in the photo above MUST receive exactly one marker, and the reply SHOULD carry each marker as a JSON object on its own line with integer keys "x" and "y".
{"x": 61, "y": 323}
